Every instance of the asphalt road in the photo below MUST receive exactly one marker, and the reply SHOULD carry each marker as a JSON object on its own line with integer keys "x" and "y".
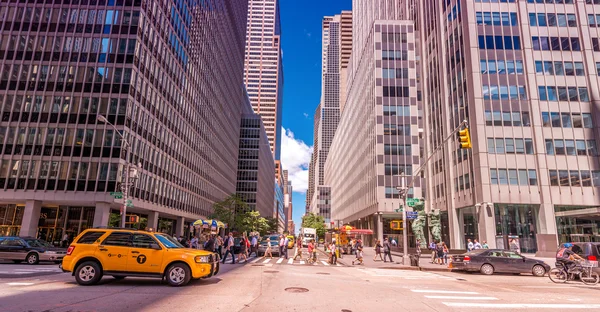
{"x": 275, "y": 285}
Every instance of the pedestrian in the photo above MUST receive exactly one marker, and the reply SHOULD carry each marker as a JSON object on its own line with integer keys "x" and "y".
{"x": 418, "y": 248}
{"x": 394, "y": 243}
{"x": 378, "y": 247}
{"x": 387, "y": 250}
{"x": 440, "y": 253}
{"x": 210, "y": 244}
{"x": 286, "y": 241}
{"x": 298, "y": 252}
{"x": 485, "y": 245}
{"x": 469, "y": 245}
{"x": 333, "y": 254}
{"x": 65, "y": 240}
{"x": 359, "y": 252}
{"x": 268, "y": 250}
{"x": 254, "y": 244}
{"x": 281, "y": 245}
{"x": 243, "y": 249}
{"x": 219, "y": 244}
{"x": 433, "y": 248}
{"x": 311, "y": 251}
{"x": 229, "y": 248}
{"x": 446, "y": 252}
{"x": 194, "y": 242}
{"x": 476, "y": 245}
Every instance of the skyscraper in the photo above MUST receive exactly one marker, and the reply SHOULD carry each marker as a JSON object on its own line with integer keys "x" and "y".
{"x": 173, "y": 91}
{"x": 377, "y": 138}
{"x": 524, "y": 74}
{"x": 263, "y": 73}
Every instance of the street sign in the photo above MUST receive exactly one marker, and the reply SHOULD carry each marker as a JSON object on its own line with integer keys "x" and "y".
{"x": 411, "y": 215}
{"x": 399, "y": 209}
{"x": 116, "y": 195}
{"x": 129, "y": 203}
{"x": 411, "y": 202}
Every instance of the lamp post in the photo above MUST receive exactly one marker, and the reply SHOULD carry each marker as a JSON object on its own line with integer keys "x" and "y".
{"x": 131, "y": 172}
{"x": 403, "y": 194}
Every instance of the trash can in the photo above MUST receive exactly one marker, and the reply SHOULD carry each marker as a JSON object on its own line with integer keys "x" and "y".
{"x": 414, "y": 260}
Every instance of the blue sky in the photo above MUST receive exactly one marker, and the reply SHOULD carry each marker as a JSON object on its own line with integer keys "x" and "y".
{"x": 301, "y": 40}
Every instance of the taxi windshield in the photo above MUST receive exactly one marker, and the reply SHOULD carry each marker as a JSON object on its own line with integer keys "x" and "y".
{"x": 169, "y": 241}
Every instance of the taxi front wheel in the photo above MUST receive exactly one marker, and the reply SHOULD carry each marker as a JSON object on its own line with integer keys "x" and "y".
{"x": 178, "y": 274}
{"x": 88, "y": 273}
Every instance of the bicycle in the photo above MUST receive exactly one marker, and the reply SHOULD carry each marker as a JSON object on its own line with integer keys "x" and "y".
{"x": 583, "y": 269}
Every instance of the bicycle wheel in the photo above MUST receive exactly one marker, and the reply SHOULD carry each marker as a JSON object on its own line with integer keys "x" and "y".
{"x": 558, "y": 276}
{"x": 589, "y": 277}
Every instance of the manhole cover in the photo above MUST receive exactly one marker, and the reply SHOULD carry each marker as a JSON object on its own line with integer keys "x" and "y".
{"x": 296, "y": 289}
{"x": 258, "y": 265}
{"x": 322, "y": 273}
{"x": 270, "y": 271}
{"x": 461, "y": 279}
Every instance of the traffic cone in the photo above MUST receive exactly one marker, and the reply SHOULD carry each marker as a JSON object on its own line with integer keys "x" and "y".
{"x": 450, "y": 266}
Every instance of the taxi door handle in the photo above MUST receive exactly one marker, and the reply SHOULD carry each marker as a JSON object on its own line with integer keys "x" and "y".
{"x": 103, "y": 249}
{"x": 135, "y": 252}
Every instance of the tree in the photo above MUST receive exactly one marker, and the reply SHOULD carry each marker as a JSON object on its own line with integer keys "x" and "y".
{"x": 251, "y": 221}
{"x": 225, "y": 210}
{"x": 273, "y": 224}
{"x": 314, "y": 221}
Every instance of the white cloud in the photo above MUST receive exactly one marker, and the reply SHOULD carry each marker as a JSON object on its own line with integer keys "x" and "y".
{"x": 295, "y": 158}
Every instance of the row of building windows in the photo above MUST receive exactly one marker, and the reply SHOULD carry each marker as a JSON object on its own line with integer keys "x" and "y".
{"x": 513, "y": 176}
{"x": 390, "y": 129}
{"x": 394, "y": 37}
{"x": 552, "y": 19}
{"x": 571, "y": 147}
{"x": 500, "y": 42}
{"x": 555, "y": 94}
{"x": 396, "y": 111}
{"x": 396, "y": 91}
{"x": 462, "y": 183}
{"x": 510, "y": 146}
{"x": 574, "y": 178}
{"x": 392, "y": 192}
{"x": 567, "y": 120}
{"x": 594, "y": 20}
{"x": 397, "y": 149}
{"x": 504, "y": 92}
{"x": 398, "y": 169}
{"x": 556, "y": 43}
{"x": 559, "y": 68}
{"x": 391, "y": 73}
{"x": 501, "y": 67}
{"x": 500, "y": 118}
{"x": 496, "y": 18}
{"x": 394, "y": 55}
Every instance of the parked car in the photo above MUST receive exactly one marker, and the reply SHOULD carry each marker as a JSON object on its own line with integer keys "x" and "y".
{"x": 291, "y": 240}
{"x": 128, "y": 252}
{"x": 490, "y": 261}
{"x": 589, "y": 251}
{"x": 30, "y": 249}
{"x": 262, "y": 246}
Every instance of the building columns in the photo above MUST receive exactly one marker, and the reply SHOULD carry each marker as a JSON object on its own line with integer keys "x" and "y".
{"x": 379, "y": 227}
{"x": 31, "y": 218}
{"x": 180, "y": 226}
{"x": 486, "y": 225}
{"x": 101, "y": 214}
{"x": 153, "y": 220}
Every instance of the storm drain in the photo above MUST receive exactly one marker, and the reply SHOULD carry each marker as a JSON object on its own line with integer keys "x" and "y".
{"x": 296, "y": 289}
{"x": 270, "y": 271}
{"x": 323, "y": 273}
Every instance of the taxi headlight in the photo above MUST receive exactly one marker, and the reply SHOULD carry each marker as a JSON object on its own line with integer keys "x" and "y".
{"x": 202, "y": 259}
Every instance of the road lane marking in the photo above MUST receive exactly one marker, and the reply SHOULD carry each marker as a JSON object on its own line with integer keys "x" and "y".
{"x": 291, "y": 261}
{"x": 19, "y": 284}
{"x": 337, "y": 264}
{"x": 462, "y": 297}
{"x": 444, "y": 291}
{"x": 302, "y": 262}
{"x": 324, "y": 263}
{"x": 279, "y": 261}
{"x": 569, "y": 306}
{"x": 255, "y": 260}
{"x": 267, "y": 261}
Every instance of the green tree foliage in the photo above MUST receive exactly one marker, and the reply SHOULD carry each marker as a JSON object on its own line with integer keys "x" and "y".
{"x": 273, "y": 224}
{"x": 314, "y": 221}
{"x": 251, "y": 221}
{"x": 226, "y": 210}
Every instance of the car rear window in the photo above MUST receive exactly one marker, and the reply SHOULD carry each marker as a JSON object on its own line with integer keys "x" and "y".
{"x": 90, "y": 237}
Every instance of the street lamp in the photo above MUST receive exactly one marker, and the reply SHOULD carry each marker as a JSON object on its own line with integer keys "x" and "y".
{"x": 131, "y": 172}
{"x": 403, "y": 192}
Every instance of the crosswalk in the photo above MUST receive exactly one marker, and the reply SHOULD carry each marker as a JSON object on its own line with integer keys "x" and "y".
{"x": 31, "y": 270}
{"x": 478, "y": 301}
{"x": 405, "y": 274}
{"x": 282, "y": 261}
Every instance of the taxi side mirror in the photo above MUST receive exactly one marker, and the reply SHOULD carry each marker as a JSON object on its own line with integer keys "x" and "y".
{"x": 155, "y": 246}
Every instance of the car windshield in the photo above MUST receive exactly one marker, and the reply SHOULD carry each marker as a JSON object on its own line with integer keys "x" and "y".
{"x": 168, "y": 241}
{"x": 37, "y": 243}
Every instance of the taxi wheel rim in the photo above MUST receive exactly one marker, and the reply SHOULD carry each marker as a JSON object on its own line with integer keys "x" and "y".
{"x": 538, "y": 270}
{"x": 87, "y": 273}
{"x": 32, "y": 258}
{"x": 177, "y": 275}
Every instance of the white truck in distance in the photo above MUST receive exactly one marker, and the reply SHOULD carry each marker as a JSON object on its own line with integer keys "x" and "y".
{"x": 308, "y": 234}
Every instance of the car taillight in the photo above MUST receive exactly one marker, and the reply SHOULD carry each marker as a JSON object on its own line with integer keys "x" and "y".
{"x": 70, "y": 250}
{"x": 467, "y": 259}
{"x": 592, "y": 258}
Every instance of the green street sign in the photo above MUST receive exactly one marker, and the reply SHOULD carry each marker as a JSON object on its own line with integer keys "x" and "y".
{"x": 116, "y": 195}
{"x": 411, "y": 202}
{"x": 400, "y": 209}
{"x": 129, "y": 203}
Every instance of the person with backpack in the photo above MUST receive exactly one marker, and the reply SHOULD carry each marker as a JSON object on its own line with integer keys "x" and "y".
{"x": 229, "y": 248}
{"x": 359, "y": 252}
{"x": 439, "y": 248}
{"x": 210, "y": 244}
{"x": 433, "y": 248}
{"x": 387, "y": 250}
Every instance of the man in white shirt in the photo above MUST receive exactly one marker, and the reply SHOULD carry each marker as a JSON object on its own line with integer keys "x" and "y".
{"x": 254, "y": 246}
{"x": 286, "y": 241}
{"x": 281, "y": 245}
{"x": 229, "y": 248}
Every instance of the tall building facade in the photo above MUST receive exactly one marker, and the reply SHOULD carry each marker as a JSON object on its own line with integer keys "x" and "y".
{"x": 263, "y": 74}
{"x": 173, "y": 91}
{"x": 255, "y": 184}
{"x": 384, "y": 98}
{"x": 288, "y": 199}
{"x": 525, "y": 75}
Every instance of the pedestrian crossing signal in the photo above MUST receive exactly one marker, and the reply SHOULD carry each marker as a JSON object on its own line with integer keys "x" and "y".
{"x": 130, "y": 219}
{"x": 464, "y": 138}
{"x": 396, "y": 225}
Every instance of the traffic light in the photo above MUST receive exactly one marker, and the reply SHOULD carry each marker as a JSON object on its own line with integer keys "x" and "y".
{"x": 396, "y": 225}
{"x": 130, "y": 219}
{"x": 464, "y": 138}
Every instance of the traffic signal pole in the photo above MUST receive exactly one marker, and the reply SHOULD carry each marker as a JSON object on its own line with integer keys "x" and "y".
{"x": 404, "y": 190}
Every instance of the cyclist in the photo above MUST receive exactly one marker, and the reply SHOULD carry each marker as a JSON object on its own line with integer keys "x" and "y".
{"x": 567, "y": 257}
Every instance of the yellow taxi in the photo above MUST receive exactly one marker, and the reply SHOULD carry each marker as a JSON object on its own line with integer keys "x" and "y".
{"x": 129, "y": 252}
{"x": 290, "y": 241}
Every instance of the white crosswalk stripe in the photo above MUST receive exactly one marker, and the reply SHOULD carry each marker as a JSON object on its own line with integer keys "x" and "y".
{"x": 267, "y": 261}
{"x": 255, "y": 260}
{"x": 291, "y": 261}
{"x": 302, "y": 262}
{"x": 324, "y": 263}
{"x": 280, "y": 260}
